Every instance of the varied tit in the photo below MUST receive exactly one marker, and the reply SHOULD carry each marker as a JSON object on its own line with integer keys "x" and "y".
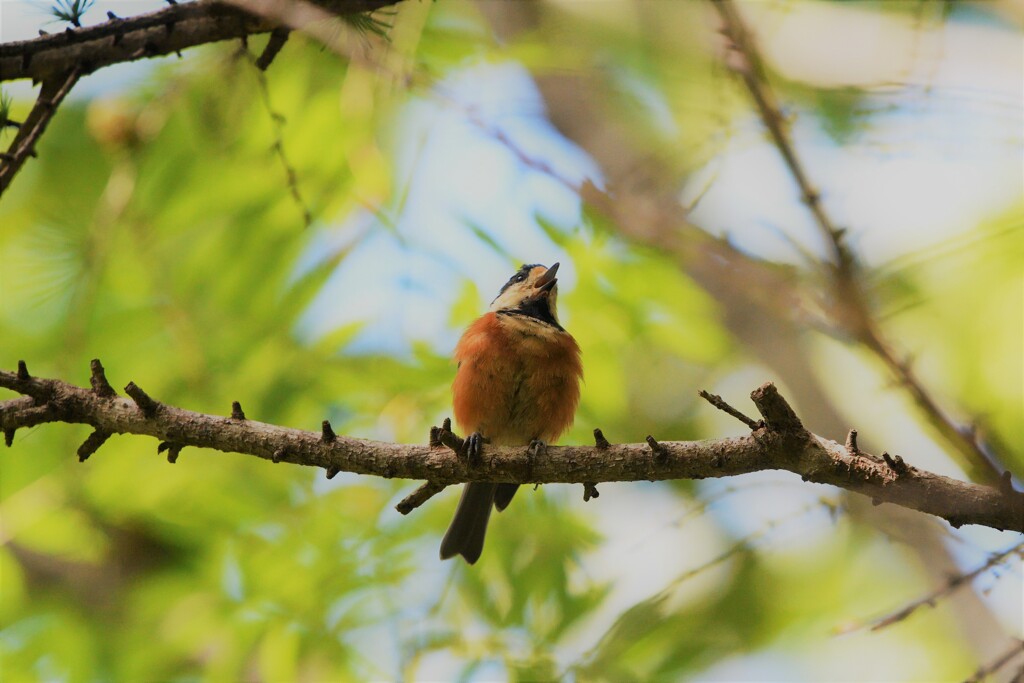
{"x": 518, "y": 383}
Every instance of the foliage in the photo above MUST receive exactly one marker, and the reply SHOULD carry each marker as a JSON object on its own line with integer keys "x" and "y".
{"x": 71, "y": 11}
{"x": 156, "y": 231}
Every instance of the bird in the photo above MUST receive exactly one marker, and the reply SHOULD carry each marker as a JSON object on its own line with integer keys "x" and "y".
{"x": 517, "y": 384}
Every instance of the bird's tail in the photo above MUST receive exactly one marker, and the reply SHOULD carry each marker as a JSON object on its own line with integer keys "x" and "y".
{"x": 465, "y": 535}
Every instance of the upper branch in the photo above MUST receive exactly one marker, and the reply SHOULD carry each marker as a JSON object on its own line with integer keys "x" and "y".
{"x": 165, "y": 31}
{"x": 780, "y": 442}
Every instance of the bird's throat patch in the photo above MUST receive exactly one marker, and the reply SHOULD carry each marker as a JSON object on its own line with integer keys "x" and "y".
{"x": 536, "y": 309}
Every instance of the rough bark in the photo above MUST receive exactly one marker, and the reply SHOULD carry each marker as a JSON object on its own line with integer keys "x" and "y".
{"x": 779, "y": 442}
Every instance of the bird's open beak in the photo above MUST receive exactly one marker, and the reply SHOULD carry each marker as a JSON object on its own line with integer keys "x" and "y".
{"x": 547, "y": 281}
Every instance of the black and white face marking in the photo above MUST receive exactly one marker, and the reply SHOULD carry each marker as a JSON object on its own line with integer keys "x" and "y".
{"x": 530, "y": 294}
{"x": 520, "y": 276}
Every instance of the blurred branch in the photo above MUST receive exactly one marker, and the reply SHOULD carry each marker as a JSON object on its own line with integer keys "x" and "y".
{"x": 313, "y": 18}
{"x": 850, "y": 310}
{"x": 593, "y": 664}
{"x": 950, "y": 586}
{"x": 277, "y": 120}
{"x": 983, "y": 673}
{"x": 762, "y": 305}
{"x": 751, "y": 70}
{"x": 162, "y": 32}
{"x": 278, "y": 37}
{"x": 59, "y": 60}
{"x": 781, "y": 442}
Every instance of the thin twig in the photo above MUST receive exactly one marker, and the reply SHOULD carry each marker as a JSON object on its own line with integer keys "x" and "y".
{"x": 278, "y": 37}
{"x": 951, "y": 585}
{"x": 998, "y": 663}
{"x": 425, "y": 492}
{"x": 277, "y": 40}
{"x": 740, "y": 546}
{"x": 51, "y": 94}
{"x": 291, "y": 177}
{"x": 752, "y": 71}
{"x": 719, "y": 403}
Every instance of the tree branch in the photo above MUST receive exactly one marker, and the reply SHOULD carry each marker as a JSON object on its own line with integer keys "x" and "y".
{"x": 59, "y": 60}
{"x": 781, "y": 443}
{"x": 762, "y": 305}
{"x": 982, "y": 674}
{"x": 165, "y": 31}
{"x": 51, "y": 94}
{"x": 951, "y": 585}
{"x": 850, "y": 308}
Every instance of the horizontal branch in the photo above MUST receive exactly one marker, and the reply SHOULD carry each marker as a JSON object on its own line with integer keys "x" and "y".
{"x": 165, "y": 31}
{"x": 780, "y": 442}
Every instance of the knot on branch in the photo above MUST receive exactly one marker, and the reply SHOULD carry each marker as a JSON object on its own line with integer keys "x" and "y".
{"x": 147, "y": 405}
{"x": 425, "y": 492}
{"x": 1007, "y": 490}
{"x": 469, "y": 449}
{"x": 896, "y": 464}
{"x": 173, "y": 450}
{"x": 444, "y": 436}
{"x": 327, "y": 434}
{"x": 98, "y": 380}
{"x": 659, "y": 451}
{"x": 851, "y": 443}
{"x": 92, "y": 444}
{"x": 777, "y": 413}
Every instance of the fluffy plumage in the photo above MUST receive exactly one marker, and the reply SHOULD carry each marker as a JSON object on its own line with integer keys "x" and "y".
{"x": 518, "y": 381}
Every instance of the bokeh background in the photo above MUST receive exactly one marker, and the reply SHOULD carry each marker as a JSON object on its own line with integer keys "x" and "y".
{"x": 433, "y": 151}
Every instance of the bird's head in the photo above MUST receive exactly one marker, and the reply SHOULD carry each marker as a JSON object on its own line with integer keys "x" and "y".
{"x": 531, "y": 292}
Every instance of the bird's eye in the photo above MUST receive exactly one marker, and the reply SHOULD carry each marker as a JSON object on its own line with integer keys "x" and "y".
{"x": 519, "y": 277}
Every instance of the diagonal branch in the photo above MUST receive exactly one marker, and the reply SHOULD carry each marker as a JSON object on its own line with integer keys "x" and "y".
{"x": 850, "y": 307}
{"x": 781, "y": 442}
{"x": 951, "y": 585}
{"x": 1015, "y": 650}
{"x": 752, "y": 72}
{"x": 51, "y": 94}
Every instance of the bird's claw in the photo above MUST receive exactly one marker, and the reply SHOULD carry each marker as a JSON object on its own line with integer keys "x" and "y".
{"x": 536, "y": 449}
{"x": 472, "y": 447}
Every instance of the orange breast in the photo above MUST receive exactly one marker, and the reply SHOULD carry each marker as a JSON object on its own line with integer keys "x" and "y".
{"x": 513, "y": 385}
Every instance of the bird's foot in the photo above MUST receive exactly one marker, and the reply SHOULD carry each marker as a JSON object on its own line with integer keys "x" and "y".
{"x": 472, "y": 447}
{"x": 536, "y": 449}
